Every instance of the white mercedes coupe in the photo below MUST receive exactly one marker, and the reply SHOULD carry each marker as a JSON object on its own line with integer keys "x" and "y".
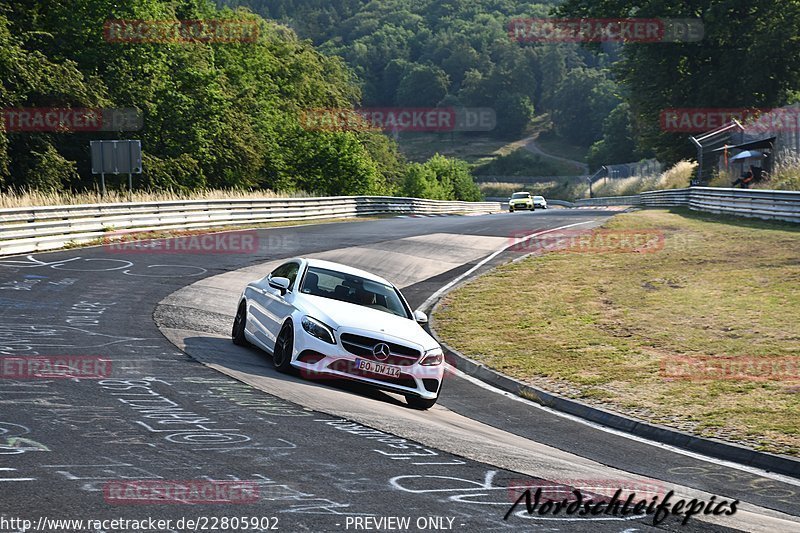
{"x": 327, "y": 319}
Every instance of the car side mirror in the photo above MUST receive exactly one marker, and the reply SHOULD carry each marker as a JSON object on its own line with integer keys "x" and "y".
{"x": 282, "y": 284}
{"x": 420, "y": 317}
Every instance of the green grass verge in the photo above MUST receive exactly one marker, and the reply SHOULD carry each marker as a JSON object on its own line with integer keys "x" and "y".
{"x": 599, "y": 326}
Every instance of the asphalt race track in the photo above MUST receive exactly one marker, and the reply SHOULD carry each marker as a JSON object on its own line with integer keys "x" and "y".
{"x": 324, "y": 455}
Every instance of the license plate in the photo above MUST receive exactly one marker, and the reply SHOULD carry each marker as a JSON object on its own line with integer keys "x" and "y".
{"x": 377, "y": 368}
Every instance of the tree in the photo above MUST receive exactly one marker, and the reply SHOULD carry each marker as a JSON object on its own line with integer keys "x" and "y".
{"x": 455, "y": 178}
{"x": 747, "y": 58}
{"x": 514, "y": 112}
{"x": 422, "y": 86}
{"x": 215, "y": 115}
{"x": 617, "y": 144}
{"x": 420, "y": 182}
{"x": 441, "y": 178}
{"x": 583, "y": 100}
{"x": 337, "y": 164}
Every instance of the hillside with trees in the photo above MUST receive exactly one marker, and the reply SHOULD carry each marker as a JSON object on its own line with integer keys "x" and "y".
{"x": 215, "y": 115}
{"x": 747, "y": 59}
{"x": 219, "y": 115}
{"x": 425, "y": 53}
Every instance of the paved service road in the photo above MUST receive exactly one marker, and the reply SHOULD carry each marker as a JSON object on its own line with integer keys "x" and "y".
{"x": 183, "y": 403}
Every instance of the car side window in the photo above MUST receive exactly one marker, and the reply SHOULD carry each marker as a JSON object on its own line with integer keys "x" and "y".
{"x": 287, "y": 270}
{"x": 292, "y": 274}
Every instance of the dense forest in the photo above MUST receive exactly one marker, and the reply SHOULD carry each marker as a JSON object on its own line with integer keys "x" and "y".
{"x": 215, "y": 115}
{"x": 606, "y": 97}
{"x": 424, "y": 53}
{"x": 748, "y": 58}
{"x": 227, "y": 114}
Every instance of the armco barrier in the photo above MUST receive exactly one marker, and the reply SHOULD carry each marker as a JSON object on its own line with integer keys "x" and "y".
{"x": 33, "y": 229}
{"x": 610, "y": 200}
{"x": 754, "y": 203}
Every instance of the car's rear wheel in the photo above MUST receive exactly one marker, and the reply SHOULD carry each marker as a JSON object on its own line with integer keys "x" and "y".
{"x": 415, "y": 402}
{"x": 239, "y": 322}
{"x": 282, "y": 355}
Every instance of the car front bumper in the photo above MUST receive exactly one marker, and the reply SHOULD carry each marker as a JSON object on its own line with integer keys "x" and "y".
{"x": 317, "y": 359}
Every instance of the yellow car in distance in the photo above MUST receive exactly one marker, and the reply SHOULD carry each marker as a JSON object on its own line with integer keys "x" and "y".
{"x": 520, "y": 200}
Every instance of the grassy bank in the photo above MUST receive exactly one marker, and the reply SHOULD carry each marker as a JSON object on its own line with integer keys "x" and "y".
{"x": 421, "y": 146}
{"x": 552, "y": 143}
{"x": 521, "y": 162}
{"x": 42, "y": 198}
{"x": 677, "y": 176}
{"x": 603, "y": 326}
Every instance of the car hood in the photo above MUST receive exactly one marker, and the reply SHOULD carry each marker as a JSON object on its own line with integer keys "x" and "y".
{"x": 363, "y": 320}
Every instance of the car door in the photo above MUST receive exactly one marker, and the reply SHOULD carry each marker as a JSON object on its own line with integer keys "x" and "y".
{"x": 259, "y": 321}
{"x": 277, "y": 306}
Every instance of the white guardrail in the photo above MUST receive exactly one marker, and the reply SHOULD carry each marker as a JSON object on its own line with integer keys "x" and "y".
{"x": 756, "y": 203}
{"x": 34, "y": 229}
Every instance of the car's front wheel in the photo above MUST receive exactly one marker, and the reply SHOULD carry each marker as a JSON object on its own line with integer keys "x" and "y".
{"x": 237, "y": 333}
{"x": 282, "y": 355}
{"x": 510, "y": 209}
{"x": 415, "y": 402}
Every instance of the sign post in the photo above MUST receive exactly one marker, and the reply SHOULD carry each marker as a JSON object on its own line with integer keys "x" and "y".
{"x": 116, "y": 157}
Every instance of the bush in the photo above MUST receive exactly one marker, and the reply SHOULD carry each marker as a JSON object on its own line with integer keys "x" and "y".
{"x": 567, "y": 189}
{"x": 173, "y": 173}
{"x": 676, "y": 177}
{"x": 47, "y": 170}
{"x": 785, "y": 176}
{"x": 441, "y": 178}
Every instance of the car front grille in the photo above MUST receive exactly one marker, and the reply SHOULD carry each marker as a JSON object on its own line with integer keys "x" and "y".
{"x": 363, "y": 347}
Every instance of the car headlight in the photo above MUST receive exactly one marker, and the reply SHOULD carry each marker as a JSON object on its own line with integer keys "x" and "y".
{"x": 433, "y": 357}
{"x": 317, "y": 329}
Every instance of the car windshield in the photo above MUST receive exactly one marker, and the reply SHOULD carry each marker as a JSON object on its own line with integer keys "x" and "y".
{"x": 521, "y": 195}
{"x": 540, "y": 198}
{"x": 353, "y": 289}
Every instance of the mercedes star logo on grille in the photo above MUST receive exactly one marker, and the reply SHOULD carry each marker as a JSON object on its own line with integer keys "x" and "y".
{"x": 381, "y": 351}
